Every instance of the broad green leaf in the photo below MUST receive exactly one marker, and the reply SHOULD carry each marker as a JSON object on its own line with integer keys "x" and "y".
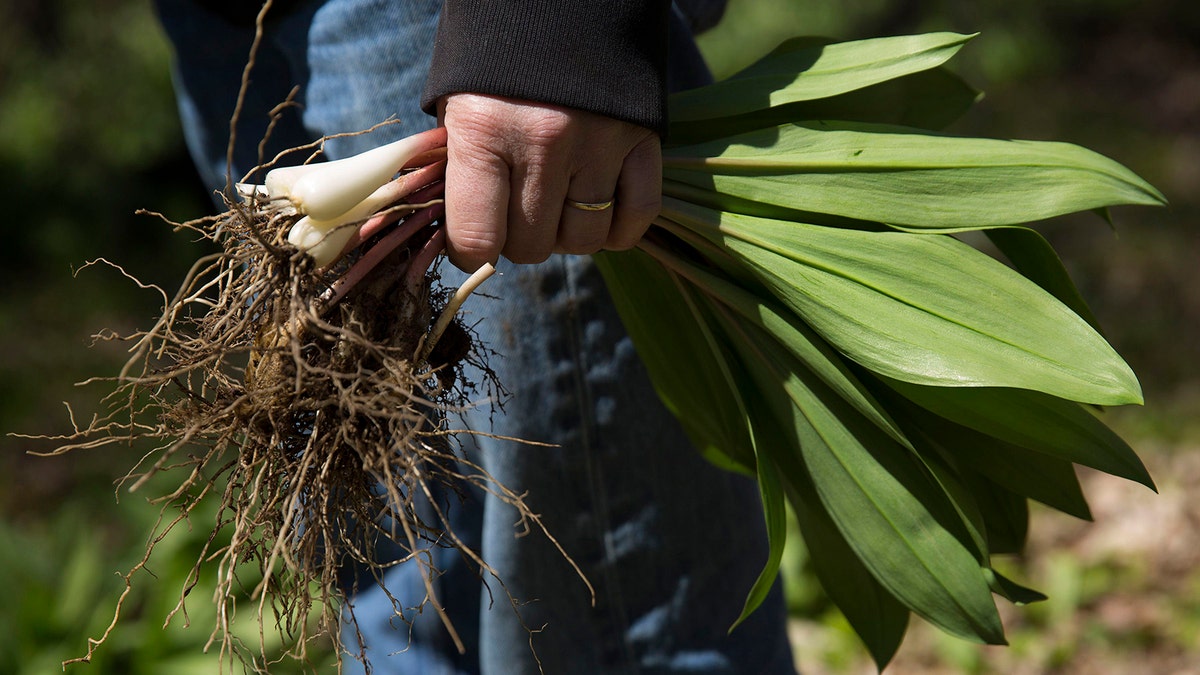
{"x": 925, "y": 309}
{"x": 969, "y": 525}
{"x": 813, "y": 354}
{"x": 807, "y": 347}
{"x": 681, "y": 193}
{"x": 1038, "y": 476}
{"x": 866, "y": 482}
{"x": 682, "y": 368}
{"x": 1035, "y": 421}
{"x": 766, "y": 338}
{"x": 1042, "y": 477}
{"x": 879, "y": 619}
{"x": 1005, "y": 513}
{"x": 1036, "y": 260}
{"x": 769, "y": 485}
{"x": 1034, "y": 257}
{"x": 930, "y": 99}
{"x": 876, "y": 615}
{"x": 815, "y": 71}
{"x": 905, "y": 177}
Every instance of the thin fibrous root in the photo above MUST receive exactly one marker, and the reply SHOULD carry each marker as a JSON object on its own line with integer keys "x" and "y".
{"x": 301, "y": 410}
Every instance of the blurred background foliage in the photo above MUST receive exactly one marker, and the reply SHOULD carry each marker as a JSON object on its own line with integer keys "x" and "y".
{"x": 88, "y": 135}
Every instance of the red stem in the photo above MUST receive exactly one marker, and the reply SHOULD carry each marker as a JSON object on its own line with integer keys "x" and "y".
{"x": 424, "y": 259}
{"x": 414, "y": 188}
{"x": 375, "y": 255}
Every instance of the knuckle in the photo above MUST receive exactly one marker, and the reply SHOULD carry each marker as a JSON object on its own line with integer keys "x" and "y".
{"x": 468, "y": 151}
{"x": 474, "y": 122}
{"x": 548, "y": 126}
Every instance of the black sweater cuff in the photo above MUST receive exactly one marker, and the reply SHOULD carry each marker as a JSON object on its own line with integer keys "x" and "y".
{"x": 604, "y": 56}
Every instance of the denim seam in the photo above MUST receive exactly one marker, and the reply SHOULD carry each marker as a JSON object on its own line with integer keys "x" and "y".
{"x": 602, "y": 525}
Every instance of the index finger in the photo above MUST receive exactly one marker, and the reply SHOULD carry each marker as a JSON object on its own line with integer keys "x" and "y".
{"x": 477, "y": 193}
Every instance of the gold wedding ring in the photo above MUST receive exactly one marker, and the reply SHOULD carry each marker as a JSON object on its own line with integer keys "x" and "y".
{"x": 590, "y": 206}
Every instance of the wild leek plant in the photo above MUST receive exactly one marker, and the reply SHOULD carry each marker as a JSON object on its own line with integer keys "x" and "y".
{"x": 300, "y": 378}
{"x": 806, "y": 311}
{"x": 802, "y": 304}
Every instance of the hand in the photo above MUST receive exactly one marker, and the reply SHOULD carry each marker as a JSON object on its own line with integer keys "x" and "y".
{"x": 513, "y": 165}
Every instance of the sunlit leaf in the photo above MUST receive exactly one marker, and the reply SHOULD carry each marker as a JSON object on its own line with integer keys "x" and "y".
{"x": 930, "y": 99}
{"x": 816, "y": 323}
{"x": 924, "y": 309}
{"x": 804, "y": 71}
{"x": 906, "y": 177}
{"x": 807, "y": 347}
{"x": 1034, "y": 257}
{"x": 1035, "y": 421}
{"x": 869, "y": 487}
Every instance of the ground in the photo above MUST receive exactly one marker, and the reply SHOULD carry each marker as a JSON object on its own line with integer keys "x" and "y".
{"x": 1123, "y": 591}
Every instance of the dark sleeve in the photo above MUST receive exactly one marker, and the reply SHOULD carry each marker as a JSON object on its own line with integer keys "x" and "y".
{"x": 605, "y": 56}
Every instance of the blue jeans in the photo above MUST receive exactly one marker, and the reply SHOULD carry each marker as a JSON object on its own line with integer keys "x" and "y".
{"x": 671, "y": 544}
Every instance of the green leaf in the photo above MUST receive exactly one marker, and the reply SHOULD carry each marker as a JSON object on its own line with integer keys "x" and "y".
{"x": 1034, "y": 257}
{"x": 906, "y": 177}
{"x": 807, "y": 347}
{"x": 1035, "y": 421}
{"x": 879, "y": 619}
{"x": 771, "y": 491}
{"x": 1036, "y": 260}
{"x": 888, "y": 515}
{"x": 814, "y": 71}
{"x": 1005, "y": 514}
{"x": 969, "y": 526}
{"x": 876, "y": 615}
{"x": 688, "y": 380}
{"x": 1011, "y": 590}
{"x": 925, "y": 309}
{"x": 770, "y": 488}
{"x": 682, "y": 193}
{"x": 930, "y": 99}
{"x": 1044, "y": 478}
{"x": 768, "y": 336}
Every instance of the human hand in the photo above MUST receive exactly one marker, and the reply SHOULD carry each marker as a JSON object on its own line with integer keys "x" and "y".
{"x": 515, "y": 166}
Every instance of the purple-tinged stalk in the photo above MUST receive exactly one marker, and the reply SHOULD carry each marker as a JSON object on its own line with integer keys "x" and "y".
{"x": 370, "y": 260}
{"x": 327, "y": 190}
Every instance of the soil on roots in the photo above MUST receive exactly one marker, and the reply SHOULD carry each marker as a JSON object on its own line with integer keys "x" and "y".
{"x": 313, "y": 423}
